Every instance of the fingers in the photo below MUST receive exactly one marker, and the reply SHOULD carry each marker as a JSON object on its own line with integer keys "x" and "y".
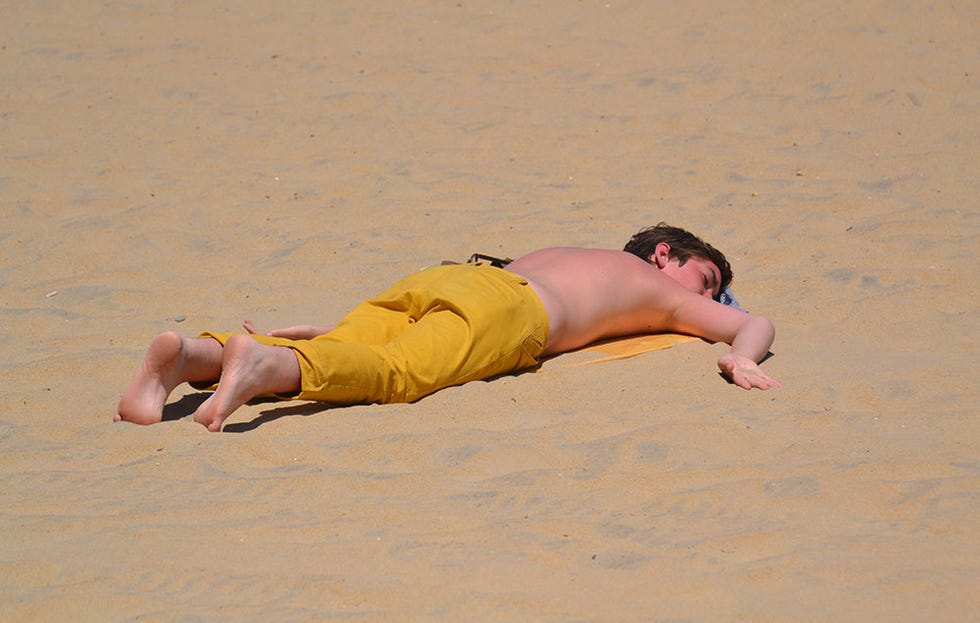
{"x": 289, "y": 332}
{"x": 295, "y": 332}
{"x": 758, "y": 381}
{"x": 748, "y": 377}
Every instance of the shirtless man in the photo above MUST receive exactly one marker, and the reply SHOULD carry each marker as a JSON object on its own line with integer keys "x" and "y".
{"x": 577, "y": 296}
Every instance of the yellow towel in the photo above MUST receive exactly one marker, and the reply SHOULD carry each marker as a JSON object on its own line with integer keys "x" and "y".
{"x": 623, "y": 348}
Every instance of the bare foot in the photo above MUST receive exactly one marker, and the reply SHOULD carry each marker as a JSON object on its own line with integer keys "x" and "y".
{"x": 169, "y": 361}
{"x": 249, "y": 369}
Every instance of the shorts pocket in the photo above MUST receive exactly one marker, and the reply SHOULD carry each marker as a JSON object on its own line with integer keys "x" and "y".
{"x": 532, "y": 346}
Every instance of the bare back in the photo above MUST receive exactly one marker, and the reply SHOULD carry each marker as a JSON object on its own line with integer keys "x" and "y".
{"x": 590, "y": 294}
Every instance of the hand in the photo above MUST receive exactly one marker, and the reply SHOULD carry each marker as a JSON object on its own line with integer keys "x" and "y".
{"x": 745, "y": 373}
{"x": 295, "y": 332}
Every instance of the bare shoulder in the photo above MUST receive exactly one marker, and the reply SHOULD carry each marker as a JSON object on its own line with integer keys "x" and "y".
{"x": 558, "y": 262}
{"x": 591, "y": 294}
{"x": 584, "y": 273}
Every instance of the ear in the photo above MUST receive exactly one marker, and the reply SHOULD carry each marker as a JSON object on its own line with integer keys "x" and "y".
{"x": 661, "y": 255}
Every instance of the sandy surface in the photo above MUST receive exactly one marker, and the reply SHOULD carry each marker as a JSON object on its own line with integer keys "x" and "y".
{"x": 186, "y": 165}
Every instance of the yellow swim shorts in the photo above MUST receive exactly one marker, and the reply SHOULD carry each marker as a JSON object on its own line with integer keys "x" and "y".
{"x": 442, "y": 326}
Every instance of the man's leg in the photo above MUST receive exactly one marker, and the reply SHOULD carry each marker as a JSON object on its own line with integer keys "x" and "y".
{"x": 248, "y": 369}
{"x": 170, "y": 361}
{"x": 443, "y": 348}
{"x": 443, "y": 326}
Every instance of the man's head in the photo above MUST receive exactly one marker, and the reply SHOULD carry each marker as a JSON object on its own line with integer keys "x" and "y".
{"x": 682, "y": 246}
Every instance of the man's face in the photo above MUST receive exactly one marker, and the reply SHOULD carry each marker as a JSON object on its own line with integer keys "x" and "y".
{"x": 698, "y": 275}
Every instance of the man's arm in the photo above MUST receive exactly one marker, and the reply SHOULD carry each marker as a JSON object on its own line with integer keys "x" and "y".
{"x": 753, "y": 338}
{"x": 750, "y": 337}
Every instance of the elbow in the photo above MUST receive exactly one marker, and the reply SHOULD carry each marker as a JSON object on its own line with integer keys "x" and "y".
{"x": 754, "y": 338}
{"x": 769, "y": 328}
{"x": 768, "y": 332}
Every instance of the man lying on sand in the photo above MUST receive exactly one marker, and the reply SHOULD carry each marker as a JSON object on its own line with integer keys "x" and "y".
{"x": 448, "y": 325}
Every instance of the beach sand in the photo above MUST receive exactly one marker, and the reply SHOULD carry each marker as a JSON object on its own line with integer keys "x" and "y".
{"x": 182, "y": 166}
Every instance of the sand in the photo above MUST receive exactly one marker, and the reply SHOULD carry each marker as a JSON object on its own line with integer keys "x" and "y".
{"x": 182, "y": 166}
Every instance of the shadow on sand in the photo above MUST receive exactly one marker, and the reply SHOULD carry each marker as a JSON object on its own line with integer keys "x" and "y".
{"x": 304, "y": 410}
{"x": 188, "y": 404}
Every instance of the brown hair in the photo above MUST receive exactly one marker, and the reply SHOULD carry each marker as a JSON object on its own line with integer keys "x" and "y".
{"x": 683, "y": 246}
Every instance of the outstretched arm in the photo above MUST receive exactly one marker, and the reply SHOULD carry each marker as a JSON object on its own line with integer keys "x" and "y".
{"x": 295, "y": 332}
{"x": 750, "y": 337}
